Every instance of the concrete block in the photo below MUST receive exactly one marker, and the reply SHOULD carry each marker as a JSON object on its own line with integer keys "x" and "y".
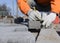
{"x": 34, "y": 24}
{"x": 48, "y": 36}
{"x": 16, "y": 37}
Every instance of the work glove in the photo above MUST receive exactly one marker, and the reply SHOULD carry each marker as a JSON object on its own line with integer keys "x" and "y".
{"x": 34, "y": 15}
{"x": 48, "y": 19}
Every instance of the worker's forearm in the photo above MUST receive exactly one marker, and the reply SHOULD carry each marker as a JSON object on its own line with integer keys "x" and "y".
{"x": 23, "y": 6}
{"x": 55, "y": 6}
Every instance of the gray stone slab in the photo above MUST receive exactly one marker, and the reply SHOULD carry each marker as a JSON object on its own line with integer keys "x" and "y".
{"x": 48, "y": 36}
{"x": 34, "y": 24}
{"x": 12, "y": 27}
{"x": 16, "y": 37}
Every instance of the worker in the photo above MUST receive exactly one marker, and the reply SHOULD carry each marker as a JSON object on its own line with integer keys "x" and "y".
{"x": 52, "y": 6}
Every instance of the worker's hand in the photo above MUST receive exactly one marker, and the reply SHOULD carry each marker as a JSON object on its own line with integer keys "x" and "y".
{"x": 34, "y": 15}
{"x": 49, "y": 19}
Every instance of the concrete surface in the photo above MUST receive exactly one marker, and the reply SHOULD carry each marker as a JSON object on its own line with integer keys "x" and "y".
{"x": 35, "y": 34}
{"x": 16, "y": 37}
{"x": 6, "y": 27}
{"x": 34, "y": 24}
{"x": 57, "y": 27}
{"x": 48, "y": 36}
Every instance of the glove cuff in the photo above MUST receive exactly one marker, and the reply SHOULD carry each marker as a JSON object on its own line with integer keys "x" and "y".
{"x": 56, "y": 21}
{"x": 29, "y": 11}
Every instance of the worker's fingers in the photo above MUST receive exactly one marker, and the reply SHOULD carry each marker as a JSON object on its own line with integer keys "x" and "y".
{"x": 31, "y": 18}
{"x": 44, "y": 15}
{"x": 38, "y": 15}
{"x": 44, "y": 23}
{"x": 48, "y": 23}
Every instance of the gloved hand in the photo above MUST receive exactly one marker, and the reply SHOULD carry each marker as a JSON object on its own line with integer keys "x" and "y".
{"x": 34, "y": 15}
{"x": 48, "y": 19}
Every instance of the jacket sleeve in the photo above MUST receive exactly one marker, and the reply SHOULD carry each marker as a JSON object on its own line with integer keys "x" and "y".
{"x": 55, "y": 6}
{"x": 23, "y": 6}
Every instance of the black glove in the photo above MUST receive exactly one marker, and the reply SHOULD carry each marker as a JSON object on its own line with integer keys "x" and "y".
{"x": 18, "y": 20}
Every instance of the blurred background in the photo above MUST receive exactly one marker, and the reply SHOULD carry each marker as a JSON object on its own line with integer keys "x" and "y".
{"x": 10, "y": 7}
